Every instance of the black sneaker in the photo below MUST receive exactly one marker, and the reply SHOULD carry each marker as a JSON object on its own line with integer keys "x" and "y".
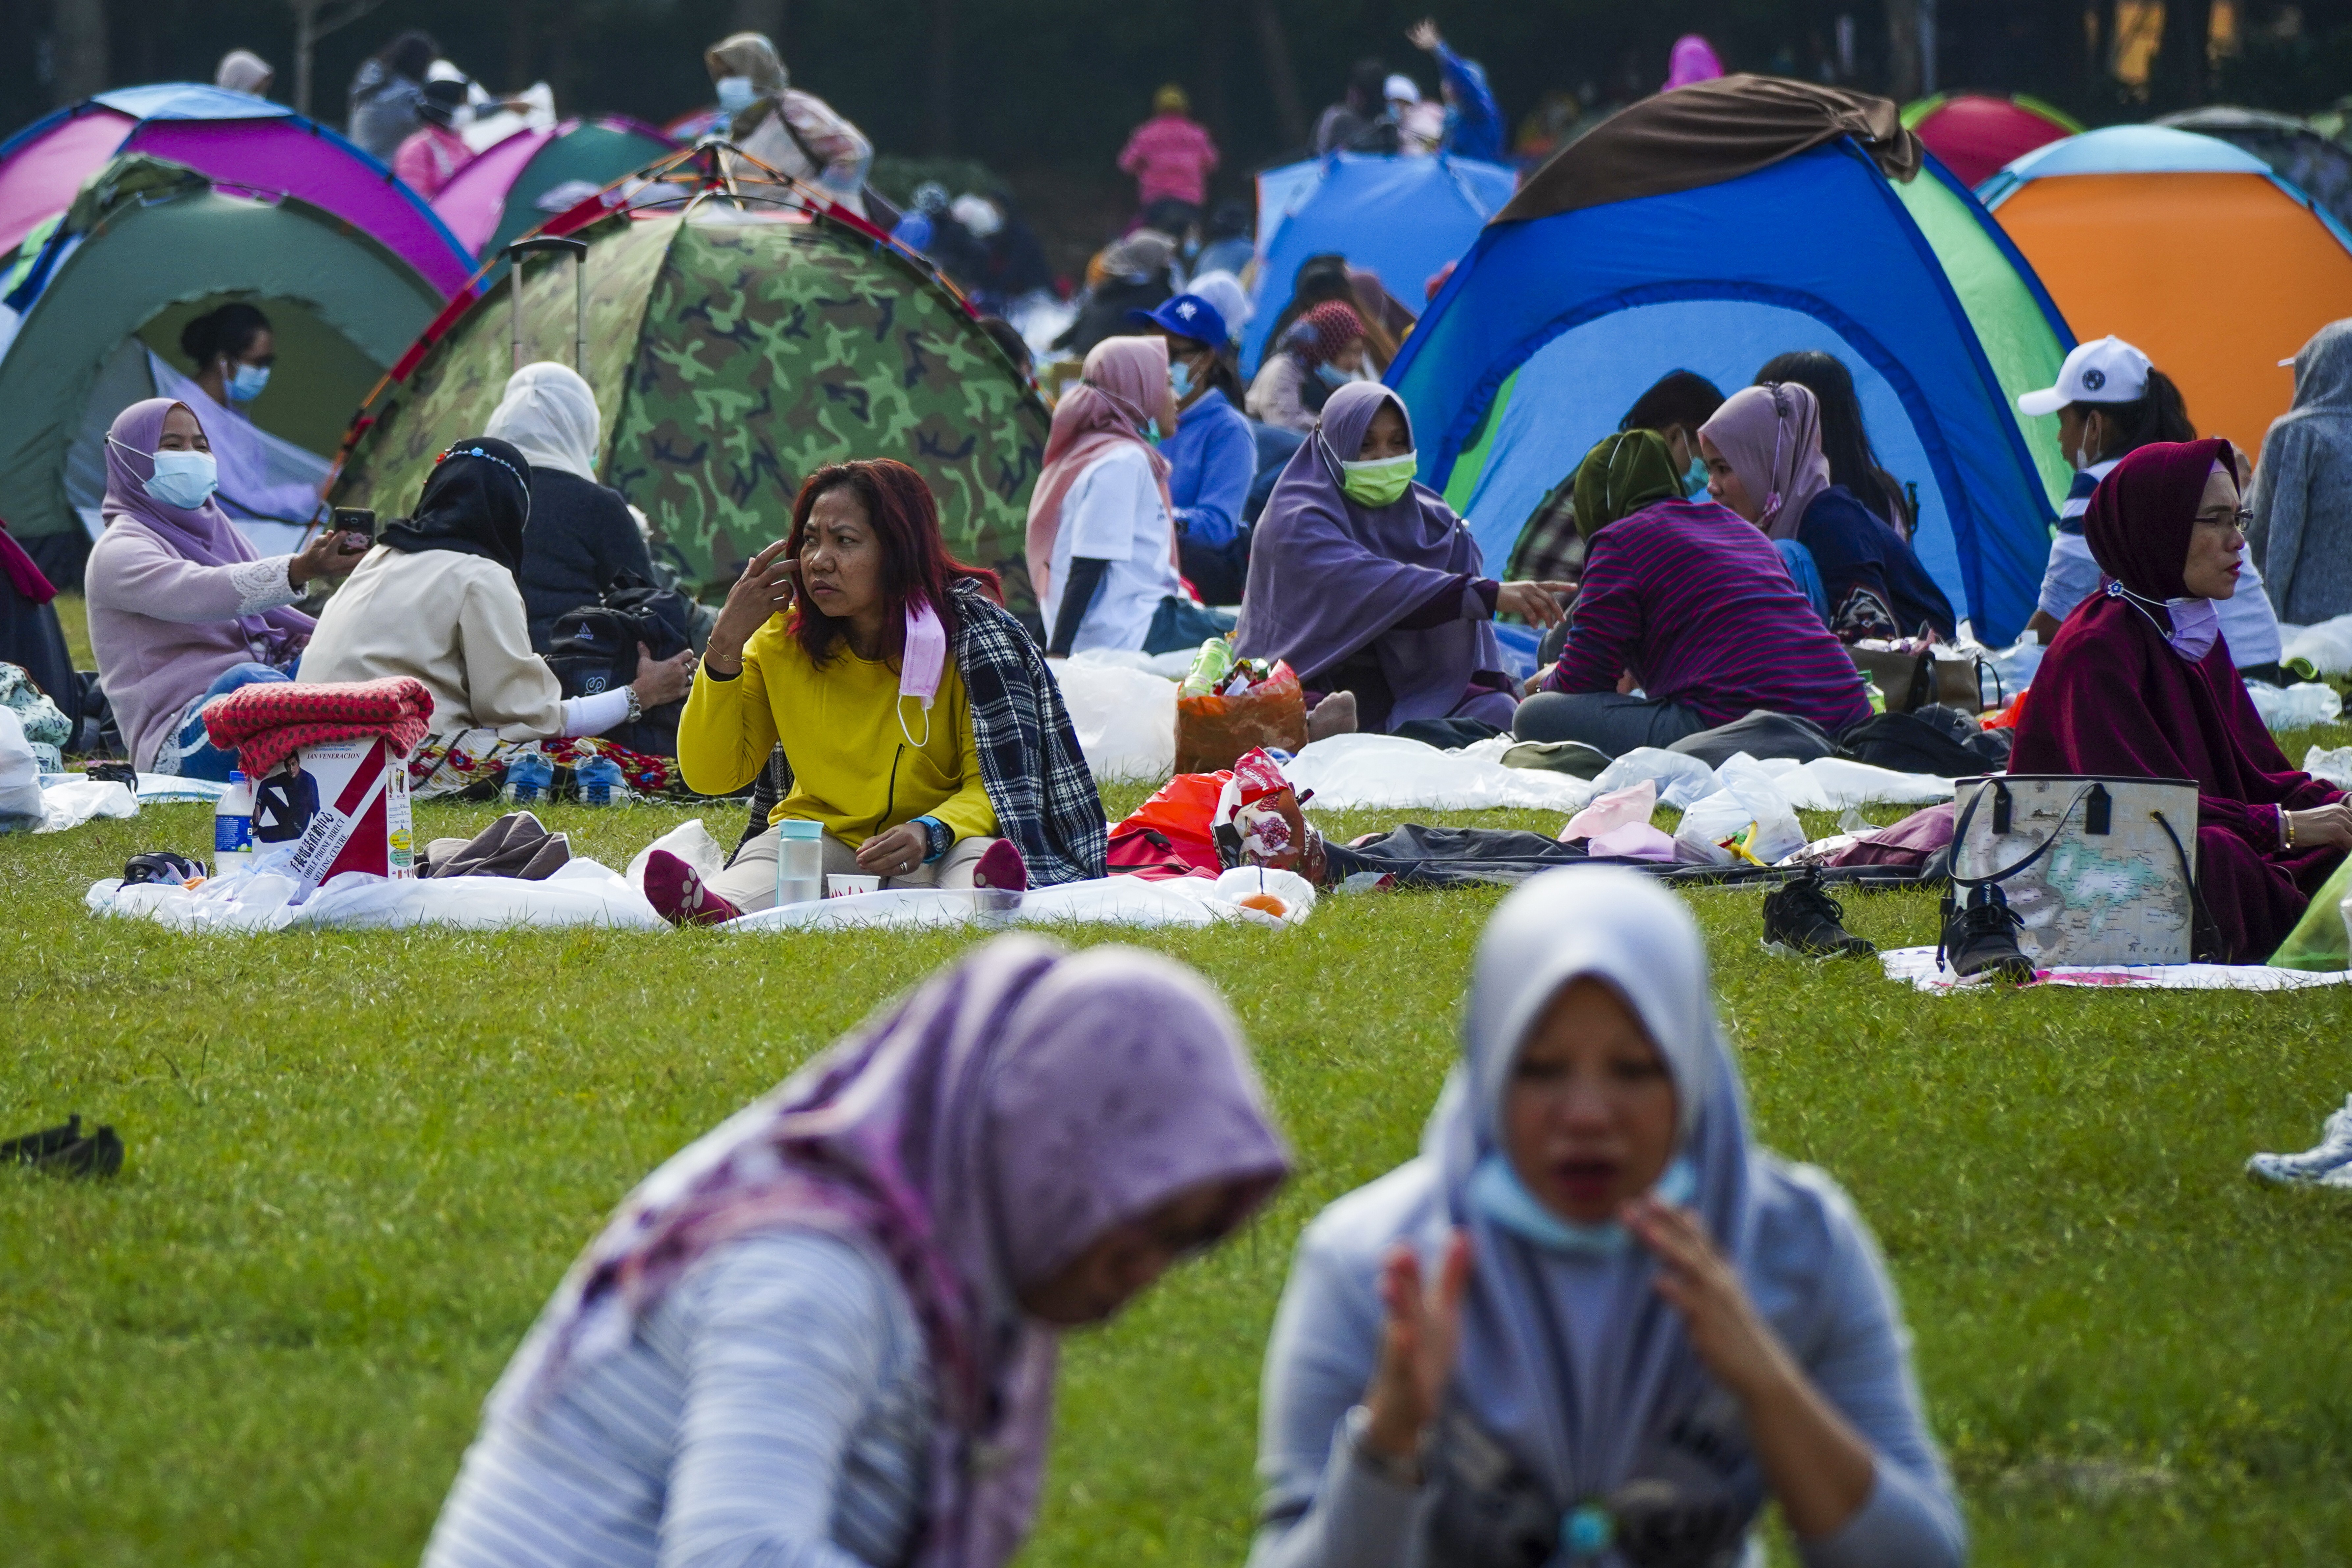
{"x": 1980, "y": 937}
{"x": 1803, "y": 921}
{"x": 65, "y": 1150}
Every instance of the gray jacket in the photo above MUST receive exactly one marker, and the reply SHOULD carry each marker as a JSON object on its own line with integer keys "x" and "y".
{"x": 2302, "y": 533}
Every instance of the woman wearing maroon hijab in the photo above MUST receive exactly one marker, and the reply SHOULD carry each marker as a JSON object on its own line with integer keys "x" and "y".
{"x": 2139, "y": 684}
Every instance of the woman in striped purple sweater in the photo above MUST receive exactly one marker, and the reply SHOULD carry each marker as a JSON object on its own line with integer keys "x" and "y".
{"x": 1685, "y": 619}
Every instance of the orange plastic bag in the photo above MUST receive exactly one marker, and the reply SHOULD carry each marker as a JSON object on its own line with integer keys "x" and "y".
{"x": 1214, "y": 732}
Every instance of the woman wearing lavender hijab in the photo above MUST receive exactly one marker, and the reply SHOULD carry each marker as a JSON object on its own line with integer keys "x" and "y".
{"x": 825, "y": 1334}
{"x": 181, "y": 609}
{"x": 1638, "y": 1329}
{"x": 1366, "y": 582}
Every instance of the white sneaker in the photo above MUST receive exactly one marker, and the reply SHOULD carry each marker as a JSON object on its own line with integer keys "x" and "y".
{"x": 2329, "y": 1164}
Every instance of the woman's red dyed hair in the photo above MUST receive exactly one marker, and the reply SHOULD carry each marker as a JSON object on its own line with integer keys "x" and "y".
{"x": 915, "y": 561}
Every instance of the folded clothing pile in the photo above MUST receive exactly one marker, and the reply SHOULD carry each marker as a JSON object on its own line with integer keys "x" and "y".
{"x": 517, "y": 845}
{"x": 269, "y": 722}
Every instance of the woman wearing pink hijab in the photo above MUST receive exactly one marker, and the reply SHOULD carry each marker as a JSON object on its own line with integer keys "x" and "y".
{"x": 1763, "y": 454}
{"x": 182, "y": 610}
{"x": 1102, "y": 530}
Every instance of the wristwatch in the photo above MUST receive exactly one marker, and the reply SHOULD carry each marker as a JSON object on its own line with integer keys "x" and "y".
{"x": 938, "y": 838}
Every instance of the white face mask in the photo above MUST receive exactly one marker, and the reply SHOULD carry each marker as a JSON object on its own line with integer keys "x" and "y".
{"x": 735, "y": 94}
{"x": 184, "y": 479}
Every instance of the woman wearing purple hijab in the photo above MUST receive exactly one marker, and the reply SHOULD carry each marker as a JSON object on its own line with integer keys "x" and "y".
{"x": 1640, "y": 1327}
{"x": 181, "y": 609}
{"x": 1366, "y": 582}
{"x": 825, "y": 1334}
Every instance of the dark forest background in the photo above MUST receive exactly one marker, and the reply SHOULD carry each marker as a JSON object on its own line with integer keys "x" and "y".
{"x": 1047, "y": 90}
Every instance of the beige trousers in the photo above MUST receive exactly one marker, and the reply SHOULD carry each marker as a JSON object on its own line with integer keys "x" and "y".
{"x": 750, "y": 884}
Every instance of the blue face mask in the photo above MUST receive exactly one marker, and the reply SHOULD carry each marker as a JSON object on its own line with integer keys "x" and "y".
{"x": 735, "y": 94}
{"x": 1180, "y": 377}
{"x": 246, "y": 381}
{"x": 1151, "y": 431}
{"x": 1695, "y": 479}
{"x": 1496, "y": 1192}
{"x": 1331, "y": 375}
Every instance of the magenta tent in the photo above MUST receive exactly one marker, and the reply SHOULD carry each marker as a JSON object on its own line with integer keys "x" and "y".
{"x": 519, "y": 183}
{"x": 231, "y": 137}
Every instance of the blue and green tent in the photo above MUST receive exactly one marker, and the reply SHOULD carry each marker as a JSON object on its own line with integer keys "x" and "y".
{"x": 1708, "y": 229}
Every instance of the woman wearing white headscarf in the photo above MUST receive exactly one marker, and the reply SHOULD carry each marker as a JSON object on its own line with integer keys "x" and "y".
{"x": 1642, "y": 1328}
{"x": 582, "y": 535}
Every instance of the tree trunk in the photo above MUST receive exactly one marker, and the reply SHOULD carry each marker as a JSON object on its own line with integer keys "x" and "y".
{"x": 306, "y": 44}
{"x": 1288, "y": 114}
{"x": 942, "y": 78}
{"x": 2181, "y": 61}
{"x": 1218, "y": 25}
{"x": 1902, "y": 49}
{"x": 518, "y": 73}
{"x": 83, "y": 66}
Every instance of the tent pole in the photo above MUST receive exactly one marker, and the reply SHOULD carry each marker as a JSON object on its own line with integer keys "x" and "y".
{"x": 579, "y": 309}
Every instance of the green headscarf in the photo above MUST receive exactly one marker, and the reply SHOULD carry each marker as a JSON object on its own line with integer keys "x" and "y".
{"x": 1624, "y": 473}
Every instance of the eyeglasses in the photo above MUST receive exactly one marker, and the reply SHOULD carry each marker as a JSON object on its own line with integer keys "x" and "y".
{"x": 2241, "y": 520}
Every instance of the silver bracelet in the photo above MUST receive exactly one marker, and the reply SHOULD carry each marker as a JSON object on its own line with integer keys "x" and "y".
{"x": 637, "y": 705}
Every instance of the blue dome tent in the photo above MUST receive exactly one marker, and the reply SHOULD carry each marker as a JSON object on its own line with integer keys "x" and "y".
{"x": 1402, "y": 219}
{"x": 1708, "y": 229}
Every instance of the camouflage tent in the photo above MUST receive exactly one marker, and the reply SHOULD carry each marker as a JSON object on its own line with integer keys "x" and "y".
{"x": 733, "y": 352}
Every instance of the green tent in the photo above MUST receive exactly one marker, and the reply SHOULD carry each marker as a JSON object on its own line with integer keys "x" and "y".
{"x": 148, "y": 244}
{"x": 733, "y": 352}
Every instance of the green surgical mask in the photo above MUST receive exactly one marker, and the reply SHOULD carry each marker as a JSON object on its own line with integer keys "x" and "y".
{"x": 1378, "y": 482}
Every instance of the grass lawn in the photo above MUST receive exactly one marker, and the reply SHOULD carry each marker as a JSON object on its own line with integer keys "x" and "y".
{"x": 359, "y": 1162}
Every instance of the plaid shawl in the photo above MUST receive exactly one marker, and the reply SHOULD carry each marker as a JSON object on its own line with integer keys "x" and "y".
{"x": 1030, "y": 763}
{"x": 267, "y": 722}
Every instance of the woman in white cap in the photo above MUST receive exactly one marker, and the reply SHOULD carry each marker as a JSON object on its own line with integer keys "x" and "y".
{"x": 2111, "y": 401}
{"x": 1638, "y": 1326}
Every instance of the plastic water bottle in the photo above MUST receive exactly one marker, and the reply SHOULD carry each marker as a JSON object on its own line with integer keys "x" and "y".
{"x": 800, "y": 861}
{"x": 598, "y": 780}
{"x": 233, "y": 828}
{"x": 528, "y": 778}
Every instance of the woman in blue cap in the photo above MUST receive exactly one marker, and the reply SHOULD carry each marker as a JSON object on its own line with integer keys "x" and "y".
{"x": 1212, "y": 453}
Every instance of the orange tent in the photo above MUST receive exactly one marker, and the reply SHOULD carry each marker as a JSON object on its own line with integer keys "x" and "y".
{"x": 2188, "y": 247}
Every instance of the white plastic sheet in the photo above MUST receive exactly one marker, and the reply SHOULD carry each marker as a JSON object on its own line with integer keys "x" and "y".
{"x": 21, "y": 795}
{"x": 1834, "y": 784}
{"x": 2327, "y": 644}
{"x": 1388, "y": 773}
{"x": 158, "y": 789}
{"x": 1110, "y": 900}
{"x": 1126, "y": 719}
{"x": 2334, "y": 766}
{"x": 2307, "y": 702}
{"x": 1917, "y": 966}
{"x": 1680, "y": 779}
{"x": 582, "y": 893}
{"x": 690, "y": 842}
{"x": 69, "y": 800}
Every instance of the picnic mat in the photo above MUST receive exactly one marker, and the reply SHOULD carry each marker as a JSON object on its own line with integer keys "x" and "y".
{"x": 1917, "y": 966}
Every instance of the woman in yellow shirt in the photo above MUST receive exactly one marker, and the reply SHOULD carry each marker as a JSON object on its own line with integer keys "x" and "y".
{"x": 922, "y": 729}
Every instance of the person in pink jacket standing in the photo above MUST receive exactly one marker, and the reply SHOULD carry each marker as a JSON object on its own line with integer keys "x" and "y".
{"x": 1170, "y": 156}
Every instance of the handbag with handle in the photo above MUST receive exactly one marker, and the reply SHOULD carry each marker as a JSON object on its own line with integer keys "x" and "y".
{"x": 2098, "y": 871}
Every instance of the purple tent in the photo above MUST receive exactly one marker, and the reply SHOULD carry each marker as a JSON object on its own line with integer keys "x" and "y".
{"x": 231, "y": 136}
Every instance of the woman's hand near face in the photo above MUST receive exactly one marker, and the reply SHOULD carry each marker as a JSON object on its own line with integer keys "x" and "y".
{"x": 1417, "y": 1347}
{"x": 333, "y": 555}
{"x": 1817, "y": 1465}
{"x": 894, "y": 852}
{"x": 763, "y": 590}
{"x": 1533, "y": 602}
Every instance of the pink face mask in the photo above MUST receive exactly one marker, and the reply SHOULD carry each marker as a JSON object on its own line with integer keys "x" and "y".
{"x": 921, "y": 664}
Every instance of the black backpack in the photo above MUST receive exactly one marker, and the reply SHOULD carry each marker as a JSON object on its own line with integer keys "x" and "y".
{"x": 595, "y": 648}
{"x": 1937, "y": 740}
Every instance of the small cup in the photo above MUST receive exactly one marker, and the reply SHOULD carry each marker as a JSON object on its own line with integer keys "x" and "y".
{"x": 846, "y": 886}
